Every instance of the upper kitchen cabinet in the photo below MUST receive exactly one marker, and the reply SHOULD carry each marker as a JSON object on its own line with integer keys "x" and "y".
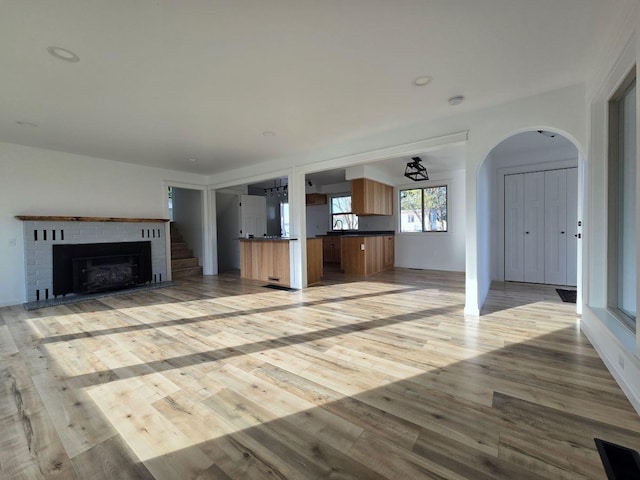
{"x": 316, "y": 199}
{"x": 369, "y": 197}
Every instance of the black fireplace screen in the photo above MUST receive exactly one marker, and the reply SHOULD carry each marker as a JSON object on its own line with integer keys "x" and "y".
{"x": 97, "y": 274}
{"x": 96, "y": 267}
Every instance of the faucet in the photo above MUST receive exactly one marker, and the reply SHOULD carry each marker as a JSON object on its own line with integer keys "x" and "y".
{"x": 335, "y": 225}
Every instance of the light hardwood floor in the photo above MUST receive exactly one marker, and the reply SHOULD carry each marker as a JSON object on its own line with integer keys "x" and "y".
{"x": 381, "y": 378}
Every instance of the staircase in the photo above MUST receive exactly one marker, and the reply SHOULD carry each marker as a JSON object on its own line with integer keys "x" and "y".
{"x": 183, "y": 263}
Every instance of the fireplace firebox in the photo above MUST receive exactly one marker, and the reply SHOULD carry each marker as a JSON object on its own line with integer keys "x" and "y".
{"x": 99, "y": 267}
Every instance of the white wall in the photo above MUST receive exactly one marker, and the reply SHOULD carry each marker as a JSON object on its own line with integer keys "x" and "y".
{"x": 486, "y": 232}
{"x": 317, "y": 220}
{"x": 437, "y": 251}
{"x": 35, "y": 181}
{"x": 188, "y": 217}
{"x": 616, "y": 344}
{"x": 563, "y": 111}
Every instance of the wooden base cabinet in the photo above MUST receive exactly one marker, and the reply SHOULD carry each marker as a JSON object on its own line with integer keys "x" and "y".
{"x": 314, "y": 260}
{"x": 266, "y": 260}
{"x": 331, "y": 249}
{"x": 388, "y": 252}
{"x": 362, "y": 255}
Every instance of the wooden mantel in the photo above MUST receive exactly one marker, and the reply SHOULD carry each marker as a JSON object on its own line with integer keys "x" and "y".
{"x": 44, "y": 218}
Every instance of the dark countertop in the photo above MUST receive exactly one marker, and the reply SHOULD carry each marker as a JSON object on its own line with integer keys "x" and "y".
{"x": 359, "y": 233}
{"x": 267, "y": 239}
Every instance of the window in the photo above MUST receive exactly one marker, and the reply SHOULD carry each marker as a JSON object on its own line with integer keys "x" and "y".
{"x": 424, "y": 209}
{"x": 621, "y": 276}
{"x": 341, "y": 216}
{"x": 170, "y": 192}
{"x": 284, "y": 219}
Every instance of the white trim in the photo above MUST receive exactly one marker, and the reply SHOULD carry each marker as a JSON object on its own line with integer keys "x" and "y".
{"x": 624, "y": 31}
{"x": 594, "y": 334}
{"x": 269, "y": 170}
{"x": 330, "y": 197}
{"x": 207, "y": 250}
{"x": 246, "y": 180}
{"x": 10, "y": 303}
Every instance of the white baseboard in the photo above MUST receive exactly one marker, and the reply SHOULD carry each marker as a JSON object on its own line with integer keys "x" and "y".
{"x": 11, "y": 303}
{"x": 612, "y": 364}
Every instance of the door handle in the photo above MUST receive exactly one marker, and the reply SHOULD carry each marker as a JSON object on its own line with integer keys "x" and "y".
{"x": 527, "y": 233}
{"x": 561, "y": 233}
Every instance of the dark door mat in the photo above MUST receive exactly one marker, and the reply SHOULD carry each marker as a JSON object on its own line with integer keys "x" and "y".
{"x": 620, "y": 463}
{"x": 280, "y": 287}
{"x": 567, "y": 296}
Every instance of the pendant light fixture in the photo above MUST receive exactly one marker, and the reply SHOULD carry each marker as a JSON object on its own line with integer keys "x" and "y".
{"x": 415, "y": 170}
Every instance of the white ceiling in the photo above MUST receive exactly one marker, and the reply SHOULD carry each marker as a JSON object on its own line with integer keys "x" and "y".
{"x": 161, "y": 81}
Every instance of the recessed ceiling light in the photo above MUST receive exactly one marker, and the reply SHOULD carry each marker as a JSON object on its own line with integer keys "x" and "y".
{"x": 23, "y": 123}
{"x": 193, "y": 160}
{"x": 457, "y": 100}
{"x": 422, "y": 81}
{"x": 268, "y": 133}
{"x": 63, "y": 54}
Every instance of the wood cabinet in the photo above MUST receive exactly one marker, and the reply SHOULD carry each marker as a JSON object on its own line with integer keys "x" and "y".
{"x": 314, "y": 260}
{"x": 266, "y": 260}
{"x": 388, "y": 252}
{"x": 316, "y": 199}
{"x": 331, "y": 251}
{"x": 369, "y": 197}
{"x": 363, "y": 255}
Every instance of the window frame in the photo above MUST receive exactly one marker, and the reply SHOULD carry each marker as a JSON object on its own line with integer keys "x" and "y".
{"x": 422, "y": 186}
{"x": 331, "y": 214}
{"x": 615, "y": 127}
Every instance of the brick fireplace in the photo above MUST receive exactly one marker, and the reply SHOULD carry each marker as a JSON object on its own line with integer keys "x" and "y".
{"x": 77, "y": 255}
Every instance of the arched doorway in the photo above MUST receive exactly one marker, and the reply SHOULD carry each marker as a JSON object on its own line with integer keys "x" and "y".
{"x": 529, "y": 211}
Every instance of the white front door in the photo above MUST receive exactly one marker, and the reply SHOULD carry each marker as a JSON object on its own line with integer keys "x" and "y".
{"x": 534, "y": 227}
{"x": 541, "y": 227}
{"x": 555, "y": 248}
{"x": 514, "y": 228}
{"x": 572, "y": 226}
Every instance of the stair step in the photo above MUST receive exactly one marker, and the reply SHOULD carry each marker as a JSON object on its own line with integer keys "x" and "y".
{"x": 181, "y": 253}
{"x": 186, "y": 272}
{"x": 184, "y": 263}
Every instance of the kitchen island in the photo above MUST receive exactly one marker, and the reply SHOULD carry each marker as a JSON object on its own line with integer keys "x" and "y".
{"x": 361, "y": 253}
{"x": 267, "y": 259}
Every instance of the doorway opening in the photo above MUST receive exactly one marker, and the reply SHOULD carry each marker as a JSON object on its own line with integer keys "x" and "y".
{"x": 529, "y": 210}
{"x": 186, "y": 213}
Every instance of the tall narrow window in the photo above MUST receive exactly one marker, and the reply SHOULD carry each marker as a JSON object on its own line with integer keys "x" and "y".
{"x": 341, "y": 216}
{"x": 284, "y": 219}
{"x": 170, "y": 199}
{"x": 622, "y": 276}
{"x": 424, "y": 209}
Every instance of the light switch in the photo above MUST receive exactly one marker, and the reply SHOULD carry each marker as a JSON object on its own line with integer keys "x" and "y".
{"x": 362, "y": 246}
